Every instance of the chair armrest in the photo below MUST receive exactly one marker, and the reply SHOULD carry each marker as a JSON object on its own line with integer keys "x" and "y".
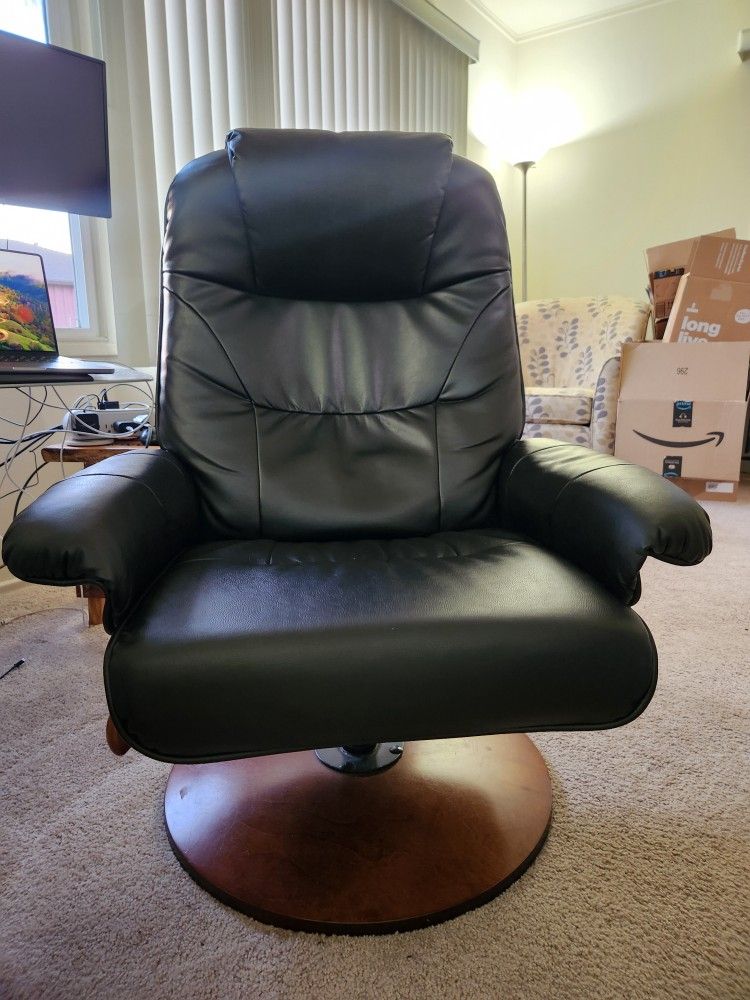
{"x": 599, "y": 512}
{"x": 604, "y": 407}
{"x": 117, "y": 525}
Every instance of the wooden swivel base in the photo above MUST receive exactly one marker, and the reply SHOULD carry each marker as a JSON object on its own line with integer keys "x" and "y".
{"x": 293, "y": 843}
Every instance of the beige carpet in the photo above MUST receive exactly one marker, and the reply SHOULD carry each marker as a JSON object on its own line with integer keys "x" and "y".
{"x": 640, "y": 892}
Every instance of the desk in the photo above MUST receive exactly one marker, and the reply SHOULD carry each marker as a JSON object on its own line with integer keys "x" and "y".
{"x": 121, "y": 374}
{"x": 88, "y": 455}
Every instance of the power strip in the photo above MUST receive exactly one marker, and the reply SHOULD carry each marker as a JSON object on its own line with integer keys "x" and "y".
{"x": 94, "y": 423}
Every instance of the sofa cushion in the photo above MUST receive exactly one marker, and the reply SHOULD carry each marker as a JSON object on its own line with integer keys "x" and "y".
{"x": 558, "y": 405}
{"x": 568, "y": 433}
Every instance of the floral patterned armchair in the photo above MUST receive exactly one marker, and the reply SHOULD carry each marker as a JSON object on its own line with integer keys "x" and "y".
{"x": 570, "y": 351}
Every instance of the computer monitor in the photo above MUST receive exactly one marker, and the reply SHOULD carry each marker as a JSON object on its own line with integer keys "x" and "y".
{"x": 53, "y": 122}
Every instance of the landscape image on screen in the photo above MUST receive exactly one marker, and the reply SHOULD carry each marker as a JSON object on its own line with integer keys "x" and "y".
{"x": 25, "y": 319}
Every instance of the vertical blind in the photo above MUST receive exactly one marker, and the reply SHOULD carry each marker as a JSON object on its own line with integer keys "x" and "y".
{"x": 212, "y": 65}
{"x": 208, "y": 69}
{"x": 181, "y": 73}
{"x": 367, "y": 64}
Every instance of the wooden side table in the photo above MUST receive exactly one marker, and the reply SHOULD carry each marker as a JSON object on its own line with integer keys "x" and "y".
{"x": 86, "y": 455}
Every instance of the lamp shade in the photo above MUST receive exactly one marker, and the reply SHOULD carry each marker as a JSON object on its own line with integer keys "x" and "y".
{"x": 520, "y": 127}
{"x": 531, "y": 135}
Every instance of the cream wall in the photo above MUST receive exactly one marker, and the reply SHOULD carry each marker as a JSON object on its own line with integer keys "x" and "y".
{"x": 665, "y": 104}
{"x": 494, "y": 73}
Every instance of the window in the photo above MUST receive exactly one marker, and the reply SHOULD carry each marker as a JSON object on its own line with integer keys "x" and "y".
{"x": 64, "y": 241}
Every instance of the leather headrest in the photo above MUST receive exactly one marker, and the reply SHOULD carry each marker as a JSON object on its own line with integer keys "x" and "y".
{"x": 348, "y": 216}
{"x": 339, "y": 215}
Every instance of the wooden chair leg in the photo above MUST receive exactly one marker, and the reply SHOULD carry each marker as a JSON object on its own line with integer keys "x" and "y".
{"x": 115, "y": 742}
{"x": 95, "y": 598}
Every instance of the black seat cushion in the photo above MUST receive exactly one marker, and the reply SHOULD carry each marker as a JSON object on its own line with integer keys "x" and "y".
{"x": 286, "y": 646}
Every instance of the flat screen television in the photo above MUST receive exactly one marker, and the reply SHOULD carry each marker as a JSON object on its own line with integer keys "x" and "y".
{"x": 53, "y": 122}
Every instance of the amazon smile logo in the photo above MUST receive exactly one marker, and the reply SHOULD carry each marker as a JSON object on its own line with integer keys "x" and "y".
{"x": 714, "y": 437}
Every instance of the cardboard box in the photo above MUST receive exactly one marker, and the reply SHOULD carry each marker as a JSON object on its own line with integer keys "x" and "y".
{"x": 660, "y": 326}
{"x": 683, "y": 408}
{"x": 713, "y": 296}
{"x": 710, "y": 489}
{"x": 666, "y": 264}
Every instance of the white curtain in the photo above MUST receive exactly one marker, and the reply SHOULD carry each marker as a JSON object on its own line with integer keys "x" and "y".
{"x": 367, "y": 64}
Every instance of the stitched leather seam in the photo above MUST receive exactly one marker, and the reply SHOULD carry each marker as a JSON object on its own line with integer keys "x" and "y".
{"x": 437, "y": 464}
{"x": 529, "y": 455}
{"x": 243, "y": 214}
{"x": 346, "y": 413}
{"x": 574, "y": 479}
{"x": 257, "y": 463}
{"x": 130, "y": 479}
{"x": 375, "y": 413}
{"x": 570, "y": 481}
{"x": 207, "y": 378}
{"x": 211, "y": 330}
{"x": 506, "y": 489}
{"x": 469, "y": 332}
{"x": 435, "y": 227}
{"x": 245, "y": 389}
{"x": 407, "y": 298}
{"x": 160, "y": 453}
{"x": 553, "y": 509}
{"x": 499, "y": 546}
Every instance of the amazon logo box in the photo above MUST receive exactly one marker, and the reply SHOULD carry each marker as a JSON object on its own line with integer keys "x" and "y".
{"x": 712, "y": 302}
{"x": 682, "y": 411}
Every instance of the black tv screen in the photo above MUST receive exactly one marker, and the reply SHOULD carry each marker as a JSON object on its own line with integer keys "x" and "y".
{"x": 53, "y": 123}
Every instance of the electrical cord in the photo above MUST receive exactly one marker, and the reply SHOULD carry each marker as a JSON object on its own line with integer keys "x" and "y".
{"x": 40, "y": 402}
{"x": 12, "y": 452}
{"x": 91, "y": 433}
{"x": 91, "y": 400}
{"x": 32, "y": 436}
{"x": 28, "y": 441}
{"x": 25, "y": 486}
{"x": 33, "y": 445}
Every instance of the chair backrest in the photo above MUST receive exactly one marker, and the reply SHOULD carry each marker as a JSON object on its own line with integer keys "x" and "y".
{"x": 338, "y": 350}
{"x": 566, "y": 342}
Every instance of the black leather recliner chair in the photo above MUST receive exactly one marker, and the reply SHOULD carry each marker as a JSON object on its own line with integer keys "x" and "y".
{"x": 342, "y": 542}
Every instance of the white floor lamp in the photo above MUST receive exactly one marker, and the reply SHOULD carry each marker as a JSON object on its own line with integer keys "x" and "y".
{"x": 528, "y": 146}
{"x": 524, "y": 166}
{"x": 520, "y": 128}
